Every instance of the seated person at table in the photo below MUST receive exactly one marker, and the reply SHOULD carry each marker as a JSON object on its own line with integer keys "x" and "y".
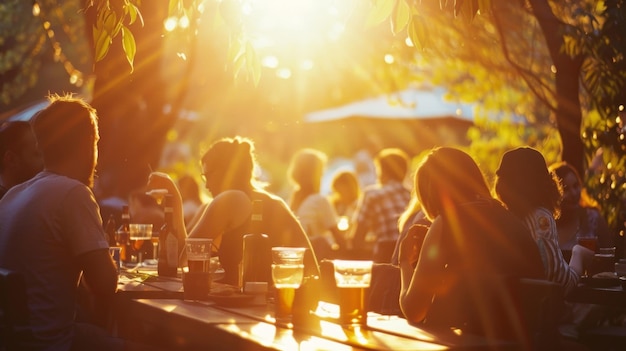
{"x": 380, "y": 206}
{"x": 472, "y": 243}
{"x": 228, "y": 169}
{"x": 314, "y": 211}
{"x": 580, "y": 215}
{"x": 19, "y": 158}
{"x": 51, "y": 232}
{"x": 527, "y": 189}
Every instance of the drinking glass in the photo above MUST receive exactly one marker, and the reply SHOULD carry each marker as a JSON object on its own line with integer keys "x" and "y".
{"x": 590, "y": 242}
{"x": 198, "y": 254}
{"x": 287, "y": 275}
{"x": 197, "y": 280}
{"x": 139, "y": 233}
{"x": 352, "y": 278}
{"x": 155, "y": 248}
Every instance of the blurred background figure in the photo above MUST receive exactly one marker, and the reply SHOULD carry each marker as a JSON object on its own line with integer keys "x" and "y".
{"x": 580, "y": 214}
{"x": 345, "y": 192}
{"x": 344, "y": 196}
{"x": 19, "y": 158}
{"x": 380, "y": 207}
{"x": 192, "y": 201}
{"x": 314, "y": 211}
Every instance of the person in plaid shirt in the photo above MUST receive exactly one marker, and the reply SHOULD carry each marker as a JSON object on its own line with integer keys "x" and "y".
{"x": 380, "y": 206}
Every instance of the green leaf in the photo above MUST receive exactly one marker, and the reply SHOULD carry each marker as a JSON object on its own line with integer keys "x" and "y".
{"x": 401, "y": 17}
{"x": 131, "y": 10}
{"x": 380, "y": 11}
{"x": 110, "y": 22}
{"x": 103, "y": 42}
{"x": 418, "y": 32}
{"x": 128, "y": 43}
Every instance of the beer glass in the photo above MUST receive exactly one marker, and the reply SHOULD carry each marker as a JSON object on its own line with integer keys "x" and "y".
{"x": 352, "y": 278}
{"x": 287, "y": 275}
{"x": 197, "y": 281}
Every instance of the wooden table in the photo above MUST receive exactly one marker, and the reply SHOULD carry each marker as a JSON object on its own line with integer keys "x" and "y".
{"x": 612, "y": 296}
{"x": 147, "y": 284}
{"x": 188, "y": 325}
{"x": 151, "y": 310}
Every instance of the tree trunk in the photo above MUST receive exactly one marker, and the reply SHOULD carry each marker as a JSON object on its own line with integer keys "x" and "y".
{"x": 130, "y": 106}
{"x": 568, "y": 110}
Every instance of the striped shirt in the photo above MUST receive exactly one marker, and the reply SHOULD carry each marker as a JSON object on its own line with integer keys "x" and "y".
{"x": 543, "y": 228}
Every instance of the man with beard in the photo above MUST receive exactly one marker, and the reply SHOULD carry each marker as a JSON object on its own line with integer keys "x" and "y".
{"x": 51, "y": 231}
{"x": 19, "y": 158}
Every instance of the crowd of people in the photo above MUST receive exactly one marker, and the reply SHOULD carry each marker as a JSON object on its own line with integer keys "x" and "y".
{"x": 452, "y": 236}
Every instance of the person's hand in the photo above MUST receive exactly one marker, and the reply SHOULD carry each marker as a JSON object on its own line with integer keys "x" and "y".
{"x": 160, "y": 180}
{"x": 411, "y": 245}
{"x": 581, "y": 260}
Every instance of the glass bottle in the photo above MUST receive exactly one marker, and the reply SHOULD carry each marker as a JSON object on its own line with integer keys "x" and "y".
{"x": 122, "y": 235}
{"x": 168, "y": 242}
{"x": 109, "y": 230}
{"x": 257, "y": 252}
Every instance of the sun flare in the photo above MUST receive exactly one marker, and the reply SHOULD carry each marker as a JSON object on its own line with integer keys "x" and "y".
{"x": 273, "y": 21}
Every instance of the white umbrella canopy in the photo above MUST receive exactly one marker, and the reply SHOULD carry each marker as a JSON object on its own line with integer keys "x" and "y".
{"x": 406, "y": 104}
{"x": 412, "y": 119}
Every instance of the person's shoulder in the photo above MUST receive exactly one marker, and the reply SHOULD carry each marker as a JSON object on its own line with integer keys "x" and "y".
{"x": 318, "y": 199}
{"x": 268, "y": 198}
{"x": 592, "y": 212}
{"x": 58, "y": 184}
{"x": 542, "y": 219}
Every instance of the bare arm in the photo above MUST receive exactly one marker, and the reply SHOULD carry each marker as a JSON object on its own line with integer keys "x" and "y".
{"x": 159, "y": 180}
{"x": 228, "y": 210}
{"x": 581, "y": 259}
{"x": 418, "y": 285}
{"x": 99, "y": 272}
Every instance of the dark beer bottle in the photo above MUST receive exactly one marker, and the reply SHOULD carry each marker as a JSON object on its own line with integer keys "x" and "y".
{"x": 168, "y": 242}
{"x": 122, "y": 235}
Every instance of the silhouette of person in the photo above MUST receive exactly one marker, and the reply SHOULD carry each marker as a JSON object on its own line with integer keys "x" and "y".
{"x": 20, "y": 159}
{"x": 52, "y": 233}
{"x": 228, "y": 170}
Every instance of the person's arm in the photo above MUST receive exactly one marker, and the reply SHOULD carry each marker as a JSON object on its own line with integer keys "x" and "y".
{"x": 228, "y": 210}
{"x": 159, "y": 180}
{"x": 196, "y": 218}
{"x": 581, "y": 259}
{"x": 418, "y": 286}
{"x": 97, "y": 286}
{"x": 99, "y": 272}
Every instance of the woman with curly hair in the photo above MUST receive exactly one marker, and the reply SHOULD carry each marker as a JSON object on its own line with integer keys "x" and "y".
{"x": 580, "y": 215}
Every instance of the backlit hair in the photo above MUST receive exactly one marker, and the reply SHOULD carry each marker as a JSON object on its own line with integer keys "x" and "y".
{"x": 63, "y": 127}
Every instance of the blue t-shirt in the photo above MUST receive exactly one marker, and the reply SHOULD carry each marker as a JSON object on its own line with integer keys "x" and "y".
{"x": 45, "y": 223}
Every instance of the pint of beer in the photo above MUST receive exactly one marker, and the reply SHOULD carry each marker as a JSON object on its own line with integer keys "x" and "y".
{"x": 352, "y": 278}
